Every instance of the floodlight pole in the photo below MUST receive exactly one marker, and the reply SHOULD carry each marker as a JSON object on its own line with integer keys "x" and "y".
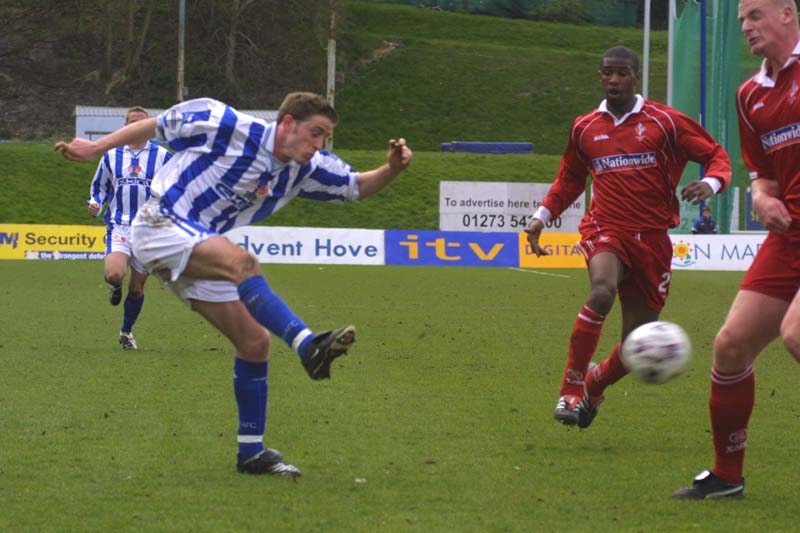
{"x": 670, "y": 52}
{"x": 703, "y": 8}
{"x": 181, "y": 33}
{"x": 331, "y": 92}
{"x": 703, "y": 63}
{"x": 646, "y": 55}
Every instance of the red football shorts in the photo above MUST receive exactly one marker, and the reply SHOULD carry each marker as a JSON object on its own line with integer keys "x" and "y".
{"x": 776, "y": 269}
{"x": 647, "y": 257}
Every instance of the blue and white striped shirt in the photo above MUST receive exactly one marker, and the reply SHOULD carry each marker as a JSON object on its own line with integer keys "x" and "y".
{"x": 224, "y": 173}
{"x": 123, "y": 180}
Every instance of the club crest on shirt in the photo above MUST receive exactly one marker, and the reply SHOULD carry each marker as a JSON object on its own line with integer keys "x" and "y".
{"x": 793, "y": 93}
{"x": 260, "y": 192}
{"x": 134, "y": 170}
{"x": 640, "y": 130}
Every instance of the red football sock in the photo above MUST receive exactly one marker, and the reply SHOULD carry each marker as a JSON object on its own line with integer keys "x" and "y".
{"x": 607, "y": 373}
{"x": 731, "y": 403}
{"x": 582, "y": 344}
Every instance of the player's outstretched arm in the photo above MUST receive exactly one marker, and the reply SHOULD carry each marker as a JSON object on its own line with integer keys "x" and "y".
{"x": 397, "y": 160}
{"x": 84, "y": 150}
{"x": 533, "y": 231}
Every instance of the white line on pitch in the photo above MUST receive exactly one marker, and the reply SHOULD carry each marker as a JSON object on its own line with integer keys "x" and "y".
{"x": 539, "y": 273}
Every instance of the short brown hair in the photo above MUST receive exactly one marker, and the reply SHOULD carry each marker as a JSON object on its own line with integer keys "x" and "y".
{"x": 302, "y": 106}
{"x": 135, "y": 109}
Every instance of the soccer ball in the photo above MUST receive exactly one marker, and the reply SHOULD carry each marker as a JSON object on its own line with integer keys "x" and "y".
{"x": 656, "y": 352}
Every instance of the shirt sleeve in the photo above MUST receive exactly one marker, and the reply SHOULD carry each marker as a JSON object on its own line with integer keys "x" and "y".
{"x": 328, "y": 179}
{"x": 700, "y": 147}
{"x": 202, "y": 125}
{"x": 101, "y": 185}
{"x": 752, "y": 151}
{"x": 570, "y": 182}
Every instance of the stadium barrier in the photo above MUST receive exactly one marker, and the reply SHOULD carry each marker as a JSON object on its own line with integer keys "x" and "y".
{"x": 488, "y": 147}
{"x": 386, "y": 247}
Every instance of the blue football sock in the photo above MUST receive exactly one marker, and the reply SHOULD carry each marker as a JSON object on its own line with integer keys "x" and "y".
{"x": 132, "y": 308}
{"x": 250, "y": 389}
{"x": 271, "y": 312}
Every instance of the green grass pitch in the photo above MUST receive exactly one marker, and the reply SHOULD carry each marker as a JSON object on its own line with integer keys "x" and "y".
{"x": 440, "y": 419}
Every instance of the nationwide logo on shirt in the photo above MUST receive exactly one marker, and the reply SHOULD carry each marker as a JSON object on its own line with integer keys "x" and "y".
{"x": 614, "y": 163}
{"x": 781, "y": 138}
{"x": 602, "y": 137}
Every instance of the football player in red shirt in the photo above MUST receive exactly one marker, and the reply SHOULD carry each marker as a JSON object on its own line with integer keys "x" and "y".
{"x": 767, "y": 304}
{"x": 635, "y": 151}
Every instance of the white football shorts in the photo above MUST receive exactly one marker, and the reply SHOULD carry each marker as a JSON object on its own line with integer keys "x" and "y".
{"x": 164, "y": 247}
{"x": 118, "y": 239}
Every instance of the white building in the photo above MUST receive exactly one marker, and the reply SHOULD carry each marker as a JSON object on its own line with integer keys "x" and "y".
{"x": 92, "y": 122}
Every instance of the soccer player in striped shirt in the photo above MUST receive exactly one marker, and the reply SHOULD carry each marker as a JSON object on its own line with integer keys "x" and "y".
{"x": 122, "y": 182}
{"x": 232, "y": 169}
{"x": 768, "y": 302}
{"x": 635, "y": 151}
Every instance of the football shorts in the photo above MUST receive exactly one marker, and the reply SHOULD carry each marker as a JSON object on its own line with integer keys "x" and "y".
{"x": 775, "y": 271}
{"x": 164, "y": 245}
{"x": 118, "y": 239}
{"x": 647, "y": 257}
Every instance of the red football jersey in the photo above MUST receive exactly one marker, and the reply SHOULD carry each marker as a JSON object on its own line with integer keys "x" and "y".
{"x": 636, "y": 165}
{"x": 769, "y": 129}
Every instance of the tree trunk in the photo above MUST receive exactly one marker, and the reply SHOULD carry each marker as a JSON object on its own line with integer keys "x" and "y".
{"x": 132, "y": 8}
{"x": 236, "y": 10}
{"x": 109, "y": 25}
{"x": 230, "y": 56}
{"x": 142, "y": 37}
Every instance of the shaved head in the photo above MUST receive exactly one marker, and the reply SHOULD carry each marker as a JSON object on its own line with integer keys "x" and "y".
{"x": 626, "y": 54}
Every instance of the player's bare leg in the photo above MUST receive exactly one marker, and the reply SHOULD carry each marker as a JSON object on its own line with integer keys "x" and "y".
{"x": 116, "y": 265}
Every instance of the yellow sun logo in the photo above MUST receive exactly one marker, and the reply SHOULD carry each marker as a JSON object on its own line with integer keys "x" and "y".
{"x": 681, "y": 249}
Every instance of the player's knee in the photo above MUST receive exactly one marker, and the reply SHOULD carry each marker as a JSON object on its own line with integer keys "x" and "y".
{"x": 602, "y": 298}
{"x": 791, "y": 340}
{"x": 247, "y": 266}
{"x": 256, "y": 347}
{"x": 114, "y": 278}
{"x": 730, "y": 351}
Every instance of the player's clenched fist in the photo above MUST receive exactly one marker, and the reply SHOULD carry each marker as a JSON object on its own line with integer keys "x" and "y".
{"x": 399, "y": 156}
